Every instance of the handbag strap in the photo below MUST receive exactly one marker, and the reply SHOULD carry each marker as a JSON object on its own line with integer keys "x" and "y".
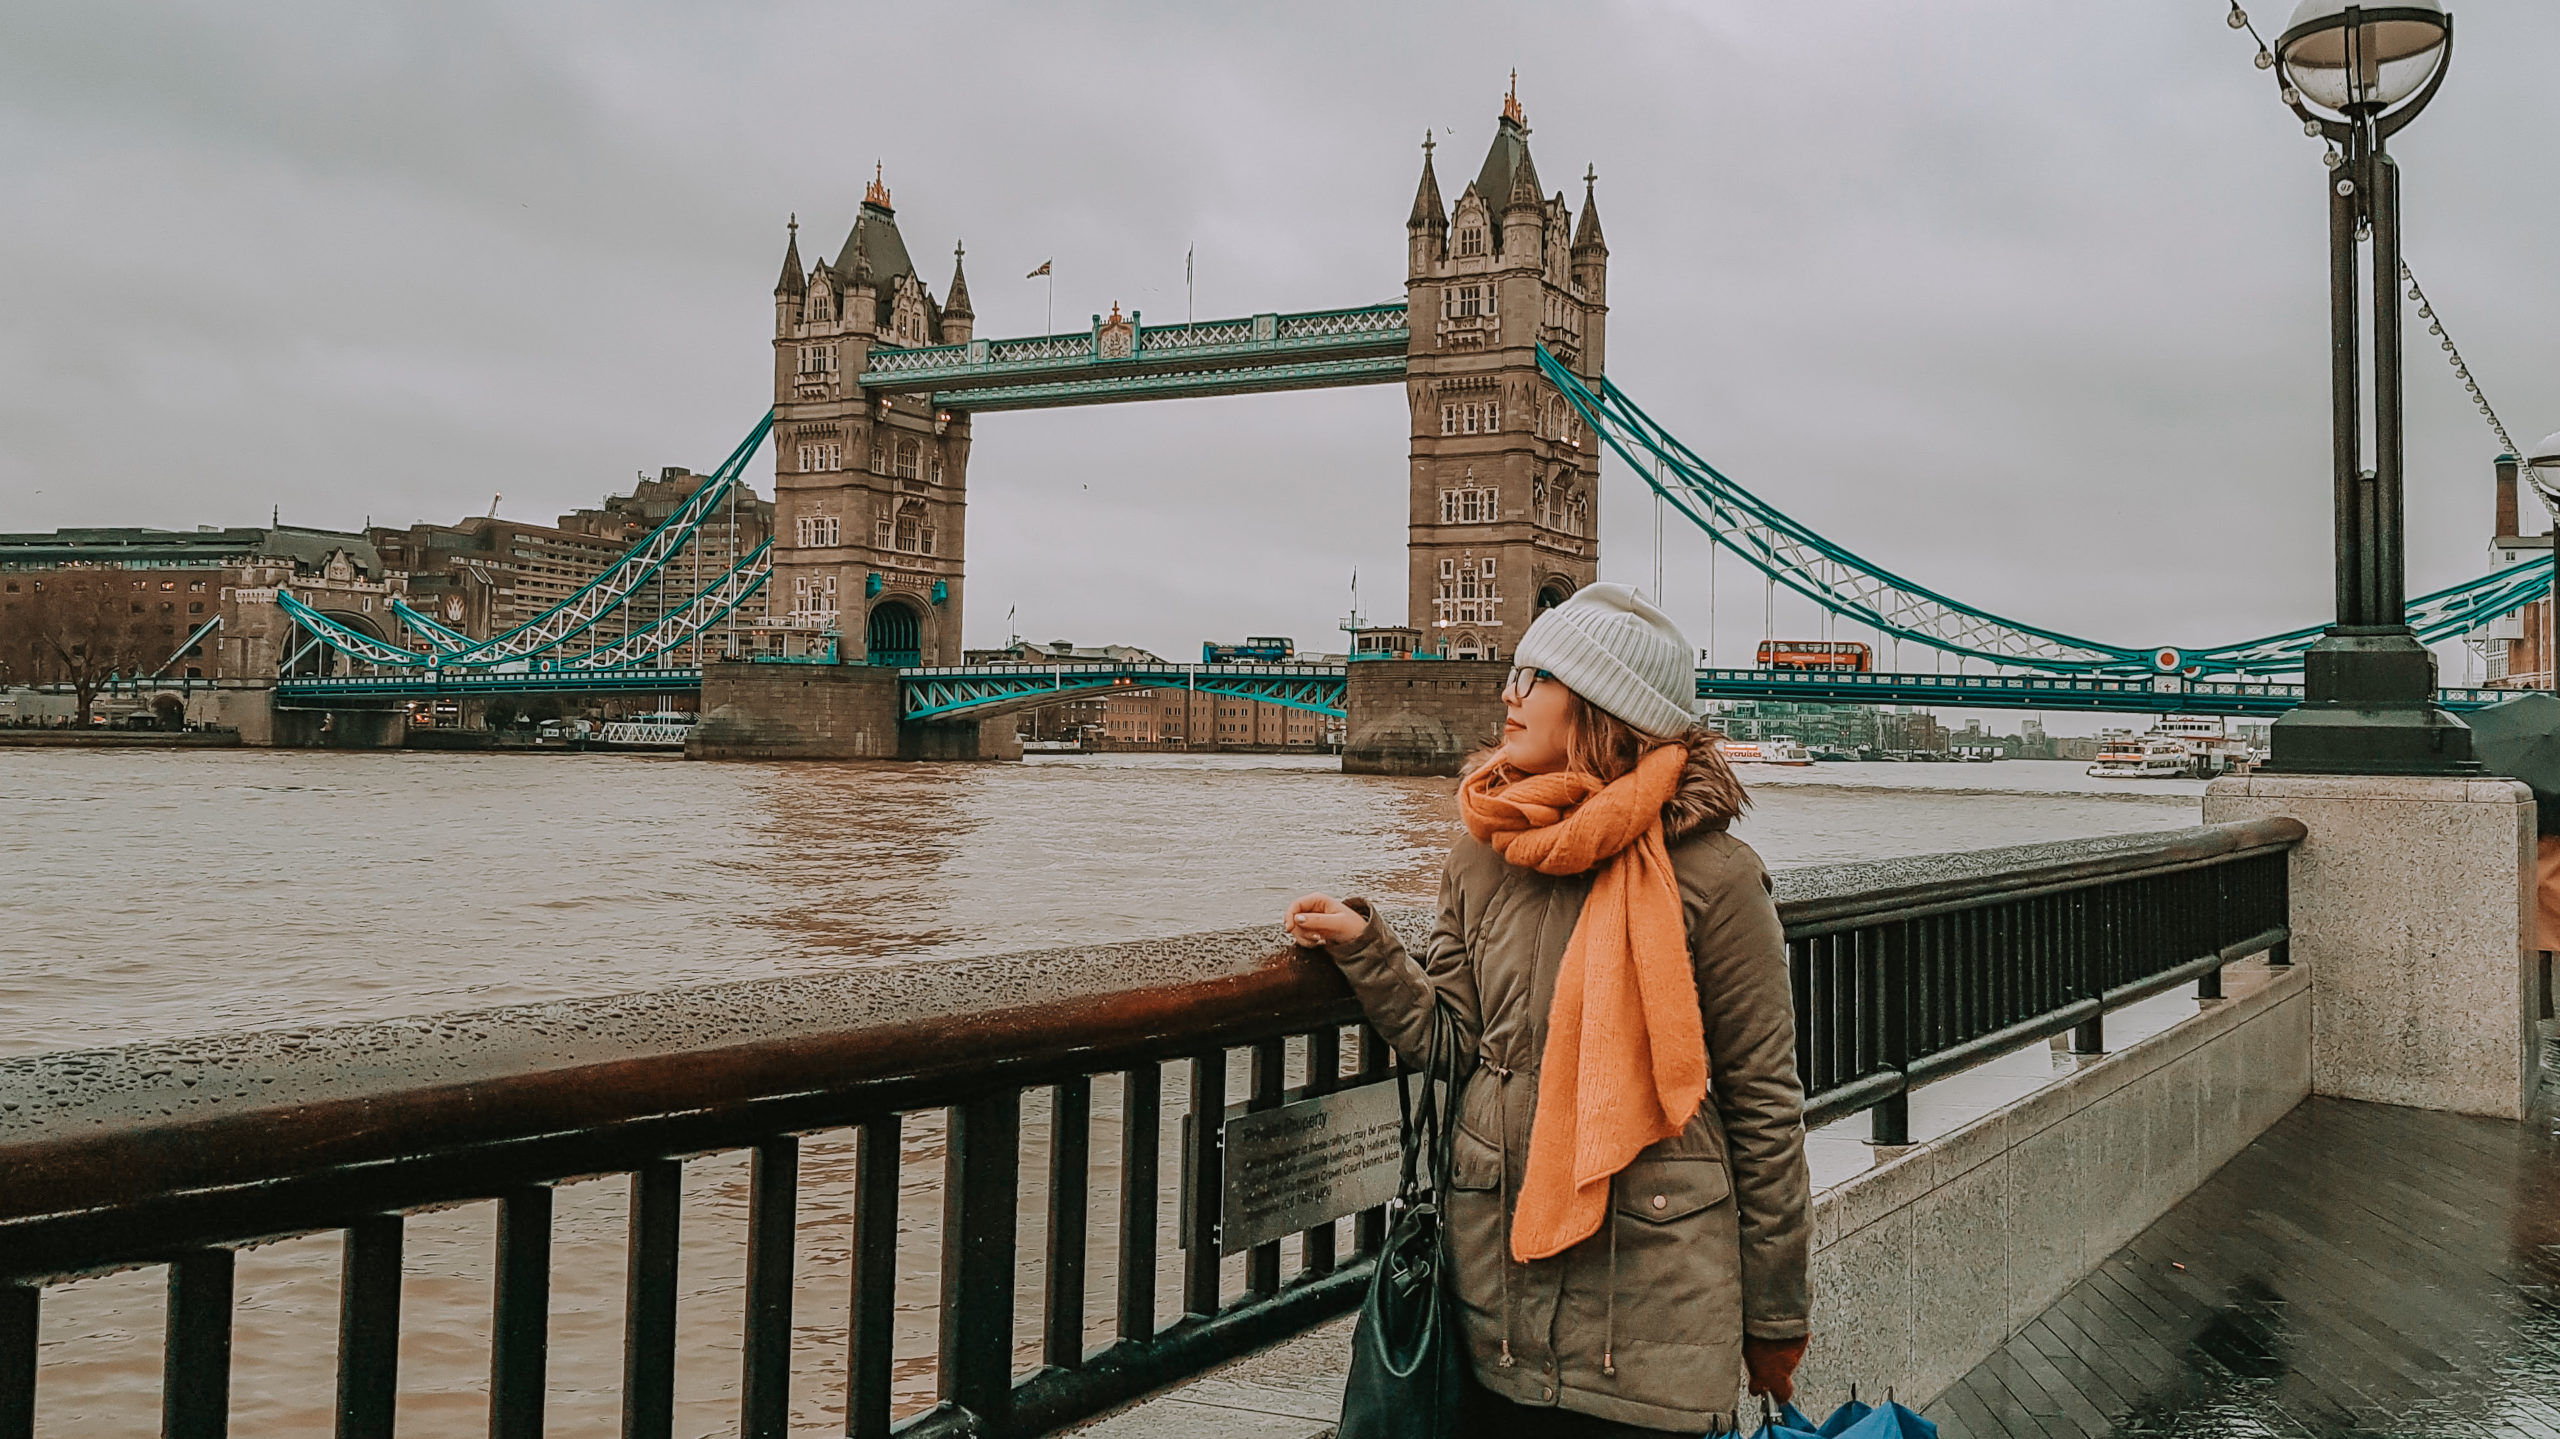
{"x": 1426, "y": 1125}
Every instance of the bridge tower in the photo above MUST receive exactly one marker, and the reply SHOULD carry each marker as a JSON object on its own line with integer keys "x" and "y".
{"x": 870, "y": 494}
{"x": 1506, "y": 495}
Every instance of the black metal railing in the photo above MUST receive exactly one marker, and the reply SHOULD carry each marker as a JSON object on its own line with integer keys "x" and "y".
{"x": 179, "y": 1154}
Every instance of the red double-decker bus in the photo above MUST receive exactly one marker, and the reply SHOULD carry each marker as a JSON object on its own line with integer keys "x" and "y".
{"x": 1816, "y": 655}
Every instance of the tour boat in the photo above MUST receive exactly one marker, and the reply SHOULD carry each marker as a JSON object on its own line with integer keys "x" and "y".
{"x": 2123, "y": 756}
{"x": 2210, "y": 749}
{"x": 665, "y": 729}
{"x": 1770, "y": 751}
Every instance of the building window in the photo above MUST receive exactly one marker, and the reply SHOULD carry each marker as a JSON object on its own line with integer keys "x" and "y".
{"x": 1466, "y": 593}
{"x": 1469, "y": 506}
{"x": 817, "y": 361}
{"x": 828, "y": 455}
{"x": 820, "y": 531}
{"x": 814, "y": 597}
{"x": 1471, "y": 240}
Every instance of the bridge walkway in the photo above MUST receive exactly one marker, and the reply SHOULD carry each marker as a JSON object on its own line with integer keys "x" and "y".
{"x": 2361, "y": 1270}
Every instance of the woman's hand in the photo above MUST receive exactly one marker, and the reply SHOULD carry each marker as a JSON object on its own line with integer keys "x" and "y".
{"x": 1320, "y": 919}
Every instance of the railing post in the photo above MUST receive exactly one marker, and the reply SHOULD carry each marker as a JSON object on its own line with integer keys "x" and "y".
{"x": 871, "y": 1335}
{"x": 1070, "y": 1143}
{"x": 979, "y": 1199}
{"x": 1208, "y": 1123}
{"x": 519, "y": 1346}
{"x": 195, "y": 1384}
{"x": 369, "y": 1328}
{"x": 1885, "y": 983}
{"x": 1270, "y": 1062}
{"x": 19, "y": 1306}
{"x": 649, "y": 1302}
{"x": 1141, "y": 1110}
{"x": 773, "y": 1192}
{"x": 1324, "y": 1072}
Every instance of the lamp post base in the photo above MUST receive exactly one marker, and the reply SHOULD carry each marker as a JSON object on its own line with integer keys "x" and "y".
{"x": 2370, "y": 709}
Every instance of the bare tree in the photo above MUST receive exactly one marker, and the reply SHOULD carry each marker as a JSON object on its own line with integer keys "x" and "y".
{"x": 76, "y": 629}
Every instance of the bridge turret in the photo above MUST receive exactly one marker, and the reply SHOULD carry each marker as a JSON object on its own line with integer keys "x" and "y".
{"x": 1428, "y": 231}
{"x": 958, "y": 320}
{"x": 1504, "y": 483}
{"x": 1591, "y": 274}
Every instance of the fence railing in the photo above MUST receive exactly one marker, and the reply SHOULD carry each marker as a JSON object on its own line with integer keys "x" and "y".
{"x": 178, "y": 1154}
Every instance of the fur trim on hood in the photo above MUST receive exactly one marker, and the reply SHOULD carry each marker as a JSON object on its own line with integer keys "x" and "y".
{"x": 1709, "y": 797}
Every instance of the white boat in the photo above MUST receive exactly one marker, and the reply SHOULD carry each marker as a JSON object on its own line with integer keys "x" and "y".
{"x": 2124, "y": 756}
{"x": 1052, "y": 746}
{"x": 1768, "y": 751}
{"x": 2210, "y": 749}
{"x": 666, "y": 729}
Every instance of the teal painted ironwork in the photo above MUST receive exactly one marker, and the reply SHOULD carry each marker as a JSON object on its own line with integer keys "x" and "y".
{"x": 1870, "y": 595}
{"x": 984, "y": 690}
{"x": 1310, "y": 350}
{"x": 2093, "y": 693}
{"x": 415, "y": 685}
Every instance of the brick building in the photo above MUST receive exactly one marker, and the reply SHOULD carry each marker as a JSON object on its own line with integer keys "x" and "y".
{"x": 186, "y": 604}
{"x": 2516, "y": 648}
{"x": 485, "y": 575}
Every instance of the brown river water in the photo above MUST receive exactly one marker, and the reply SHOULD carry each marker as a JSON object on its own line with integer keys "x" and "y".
{"x": 155, "y": 894}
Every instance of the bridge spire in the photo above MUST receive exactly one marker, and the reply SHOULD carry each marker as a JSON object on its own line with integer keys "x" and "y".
{"x": 793, "y": 282}
{"x": 1428, "y": 212}
{"x": 1586, "y": 235}
{"x": 956, "y": 305}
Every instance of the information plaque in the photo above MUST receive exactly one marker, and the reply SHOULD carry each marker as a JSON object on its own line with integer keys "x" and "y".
{"x": 1306, "y": 1164}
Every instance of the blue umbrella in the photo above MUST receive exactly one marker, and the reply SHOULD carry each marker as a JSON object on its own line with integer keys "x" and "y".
{"x": 1890, "y": 1422}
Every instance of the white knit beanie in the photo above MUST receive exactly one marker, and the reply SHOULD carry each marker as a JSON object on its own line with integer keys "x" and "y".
{"x": 1610, "y": 647}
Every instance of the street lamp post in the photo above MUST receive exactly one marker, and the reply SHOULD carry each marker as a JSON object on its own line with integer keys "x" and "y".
{"x": 2368, "y": 683}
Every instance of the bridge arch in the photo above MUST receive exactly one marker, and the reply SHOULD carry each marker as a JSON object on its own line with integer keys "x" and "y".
{"x": 894, "y": 632}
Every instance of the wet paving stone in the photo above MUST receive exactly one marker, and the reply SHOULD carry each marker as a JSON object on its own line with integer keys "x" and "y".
{"x": 2361, "y": 1272}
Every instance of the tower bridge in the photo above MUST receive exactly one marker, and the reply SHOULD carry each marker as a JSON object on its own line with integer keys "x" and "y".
{"x": 1500, "y": 343}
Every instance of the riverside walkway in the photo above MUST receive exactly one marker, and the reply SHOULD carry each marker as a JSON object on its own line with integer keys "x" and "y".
{"x": 2360, "y": 1270}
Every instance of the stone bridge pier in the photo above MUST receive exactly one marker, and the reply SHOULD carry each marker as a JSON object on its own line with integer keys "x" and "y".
{"x": 830, "y": 711}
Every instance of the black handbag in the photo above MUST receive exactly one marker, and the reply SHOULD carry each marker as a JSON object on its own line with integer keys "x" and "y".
{"x": 1409, "y": 1367}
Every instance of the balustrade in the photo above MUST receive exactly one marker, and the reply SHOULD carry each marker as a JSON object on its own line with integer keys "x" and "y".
{"x": 179, "y": 1154}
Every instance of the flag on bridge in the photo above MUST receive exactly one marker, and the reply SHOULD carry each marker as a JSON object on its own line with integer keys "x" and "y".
{"x": 1036, "y": 274}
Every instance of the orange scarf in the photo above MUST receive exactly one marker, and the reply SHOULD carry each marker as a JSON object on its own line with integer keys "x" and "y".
{"x": 1626, "y": 1056}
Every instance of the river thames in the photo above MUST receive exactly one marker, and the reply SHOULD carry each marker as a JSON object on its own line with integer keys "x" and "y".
{"x": 159, "y": 894}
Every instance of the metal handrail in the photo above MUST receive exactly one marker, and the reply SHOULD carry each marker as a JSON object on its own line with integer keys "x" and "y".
{"x": 179, "y": 1152}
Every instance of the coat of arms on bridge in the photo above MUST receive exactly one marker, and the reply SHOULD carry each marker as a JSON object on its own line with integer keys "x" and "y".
{"x": 1115, "y": 338}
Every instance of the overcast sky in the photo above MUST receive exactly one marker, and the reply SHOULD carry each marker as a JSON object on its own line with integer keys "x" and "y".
{"x": 2023, "y": 301}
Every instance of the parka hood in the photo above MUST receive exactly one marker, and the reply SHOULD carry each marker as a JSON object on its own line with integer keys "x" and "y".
{"x": 1709, "y": 798}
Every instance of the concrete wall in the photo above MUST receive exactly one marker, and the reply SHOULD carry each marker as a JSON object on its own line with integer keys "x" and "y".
{"x": 779, "y": 711}
{"x": 1924, "y": 1265}
{"x": 1420, "y": 716}
{"x": 2413, "y": 911}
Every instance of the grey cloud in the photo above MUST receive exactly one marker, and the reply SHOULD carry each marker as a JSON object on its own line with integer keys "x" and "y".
{"x": 2023, "y": 301}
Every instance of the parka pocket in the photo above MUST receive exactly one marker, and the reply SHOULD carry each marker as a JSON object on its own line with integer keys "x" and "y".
{"x": 1666, "y": 1190}
{"x": 1677, "y": 1271}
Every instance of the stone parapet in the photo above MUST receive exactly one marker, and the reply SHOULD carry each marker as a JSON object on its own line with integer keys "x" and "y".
{"x": 1420, "y": 717}
{"x": 2413, "y": 912}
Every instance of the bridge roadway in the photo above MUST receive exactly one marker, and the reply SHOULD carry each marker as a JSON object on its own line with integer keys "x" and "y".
{"x": 950, "y": 692}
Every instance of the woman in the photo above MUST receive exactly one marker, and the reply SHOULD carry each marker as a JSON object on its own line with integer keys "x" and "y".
{"x": 1630, "y": 1234}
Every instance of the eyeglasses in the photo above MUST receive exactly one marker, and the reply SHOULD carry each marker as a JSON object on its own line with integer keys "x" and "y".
{"x": 1523, "y": 680}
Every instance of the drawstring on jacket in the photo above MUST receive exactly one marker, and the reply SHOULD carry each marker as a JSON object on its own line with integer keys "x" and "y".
{"x": 1609, "y": 1326}
{"x": 1502, "y": 1100}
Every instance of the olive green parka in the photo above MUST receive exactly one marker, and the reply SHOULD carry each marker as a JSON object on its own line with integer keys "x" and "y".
{"x": 1709, "y": 1232}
